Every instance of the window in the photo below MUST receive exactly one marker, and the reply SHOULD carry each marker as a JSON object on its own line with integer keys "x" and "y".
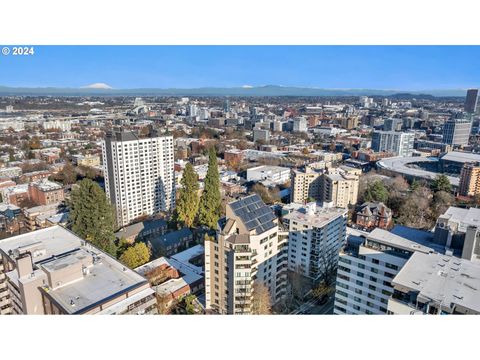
{"x": 374, "y": 279}
{"x": 391, "y": 266}
{"x": 359, "y": 274}
{"x": 375, "y": 261}
{"x": 371, "y": 287}
{"x": 389, "y": 275}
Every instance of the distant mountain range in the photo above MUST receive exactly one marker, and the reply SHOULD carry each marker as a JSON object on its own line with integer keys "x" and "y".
{"x": 268, "y": 90}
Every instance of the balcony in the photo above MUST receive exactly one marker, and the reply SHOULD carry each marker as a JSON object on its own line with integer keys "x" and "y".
{"x": 4, "y": 302}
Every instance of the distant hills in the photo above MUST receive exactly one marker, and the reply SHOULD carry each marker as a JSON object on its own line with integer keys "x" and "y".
{"x": 267, "y": 90}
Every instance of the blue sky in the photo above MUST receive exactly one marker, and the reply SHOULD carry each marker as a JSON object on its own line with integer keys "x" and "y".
{"x": 374, "y": 67}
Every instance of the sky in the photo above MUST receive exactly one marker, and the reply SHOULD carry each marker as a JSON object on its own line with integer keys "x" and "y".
{"x": 339, "y": 67}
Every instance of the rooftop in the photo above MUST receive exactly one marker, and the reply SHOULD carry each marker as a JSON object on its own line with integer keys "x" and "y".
{"x": 269, "y": 168}
{"x": 47, "y": 185}
{"x": 402, "y": 165}
{"x": 315, "y": 216}
{"x": 136, "y": 229}
{"x": 55, "y": 240}
{"x": 105, "y": 278}
{"x": 81, "y": 276}
{"x": 189, "y": 273}
{"x": 459, "y": 156}
{"x": 254, "y": 214}
{"x": 388, "y": 238}
{"x": 464, "y": 217}
{"x": 444, "y": 279}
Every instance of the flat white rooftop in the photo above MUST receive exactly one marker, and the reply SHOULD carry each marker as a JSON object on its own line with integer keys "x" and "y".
{"x": 388, "y": 238}
{"x": 403, "y": 165}
{"x": 443, "y": 279}
{"x": 318, "y": 219}
{"x": 459, "y": 156}
{"x": 55, "y": 240}
{"x": 463, "y": 217}
{"x": 106, "y": 278}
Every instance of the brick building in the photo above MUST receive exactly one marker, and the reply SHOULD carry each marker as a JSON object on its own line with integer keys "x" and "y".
{"x": 374, "y": 215}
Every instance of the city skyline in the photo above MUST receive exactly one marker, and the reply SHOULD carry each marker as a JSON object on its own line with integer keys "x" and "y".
{"x": 399, "y": 68}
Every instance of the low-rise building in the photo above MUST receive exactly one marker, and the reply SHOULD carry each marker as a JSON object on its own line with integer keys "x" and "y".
{"x": 10, "y": 172}
{"x": 86, "y": 160}
{"x": 53, "y": 271}
{"x": 45, "y": 192}
{"x": 270, "y": 174}
{"x": 174, "y": 277}
{"x": 170, "y": 243}
{"x": 142, "y": 230}
{"x": 374, "y": 215}
{"x": 15, "y": 195}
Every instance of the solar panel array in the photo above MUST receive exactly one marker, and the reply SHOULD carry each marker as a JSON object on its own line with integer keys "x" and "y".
{"x": 254, "y": 213}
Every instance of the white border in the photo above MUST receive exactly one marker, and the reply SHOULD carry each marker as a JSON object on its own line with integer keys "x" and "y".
{"x": 33, "y": 22}
{"x": 239, "y": 337}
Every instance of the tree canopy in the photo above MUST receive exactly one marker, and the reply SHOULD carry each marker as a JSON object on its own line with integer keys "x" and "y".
{"x": 135, "y": 255}
{"x": 91, "y": 216}
{"x": 188, "y": 200}
{"x": 210, "y": 201}
{"x": 376, "y": 191}
{"x": 441, "y": 183}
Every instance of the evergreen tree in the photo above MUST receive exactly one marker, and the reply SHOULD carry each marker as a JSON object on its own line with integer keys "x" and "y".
{"x": 211, "y": 201}
{"x": 441, "y": 183}
{"x": 188, "y": 200}
{"x": 91, "y": 216}
{"x": 376, "y": 192}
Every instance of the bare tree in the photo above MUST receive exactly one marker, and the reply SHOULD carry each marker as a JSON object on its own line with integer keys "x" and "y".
{"x": 261, "y": 301}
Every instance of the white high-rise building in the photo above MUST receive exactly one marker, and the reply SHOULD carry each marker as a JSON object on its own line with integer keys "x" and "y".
{"x": 398, "y": 143}
{"x": 367, "y": 266}
{"x": 315, "y": 237}
{"x": 139, "y": 174}
{"x": 192, "y": 110}
{"x": 300, "y": 124}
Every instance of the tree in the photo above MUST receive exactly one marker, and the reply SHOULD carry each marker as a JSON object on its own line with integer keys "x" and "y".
{"x": 416, "y": 211}
{"x": 210, "y": 201}
{"x": 261, "y": 301}
{"x": 188, "y": 201}
{"x": 442, "y": 200}
{"x": 135, "y": 255}
{"x": 415, "y": 185}
{"x": 398, "y": 190}
{"x": 91, "y": 216}
{"x": 68, "y": 175}
{"x": 441, "y": 183}
{"x": 376, "y": 192}
{"x": 476, "y": 200}
{"x": 189, "y": 306}
{"x": 122, "y": 246}
{"x": 268, "y": 196}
